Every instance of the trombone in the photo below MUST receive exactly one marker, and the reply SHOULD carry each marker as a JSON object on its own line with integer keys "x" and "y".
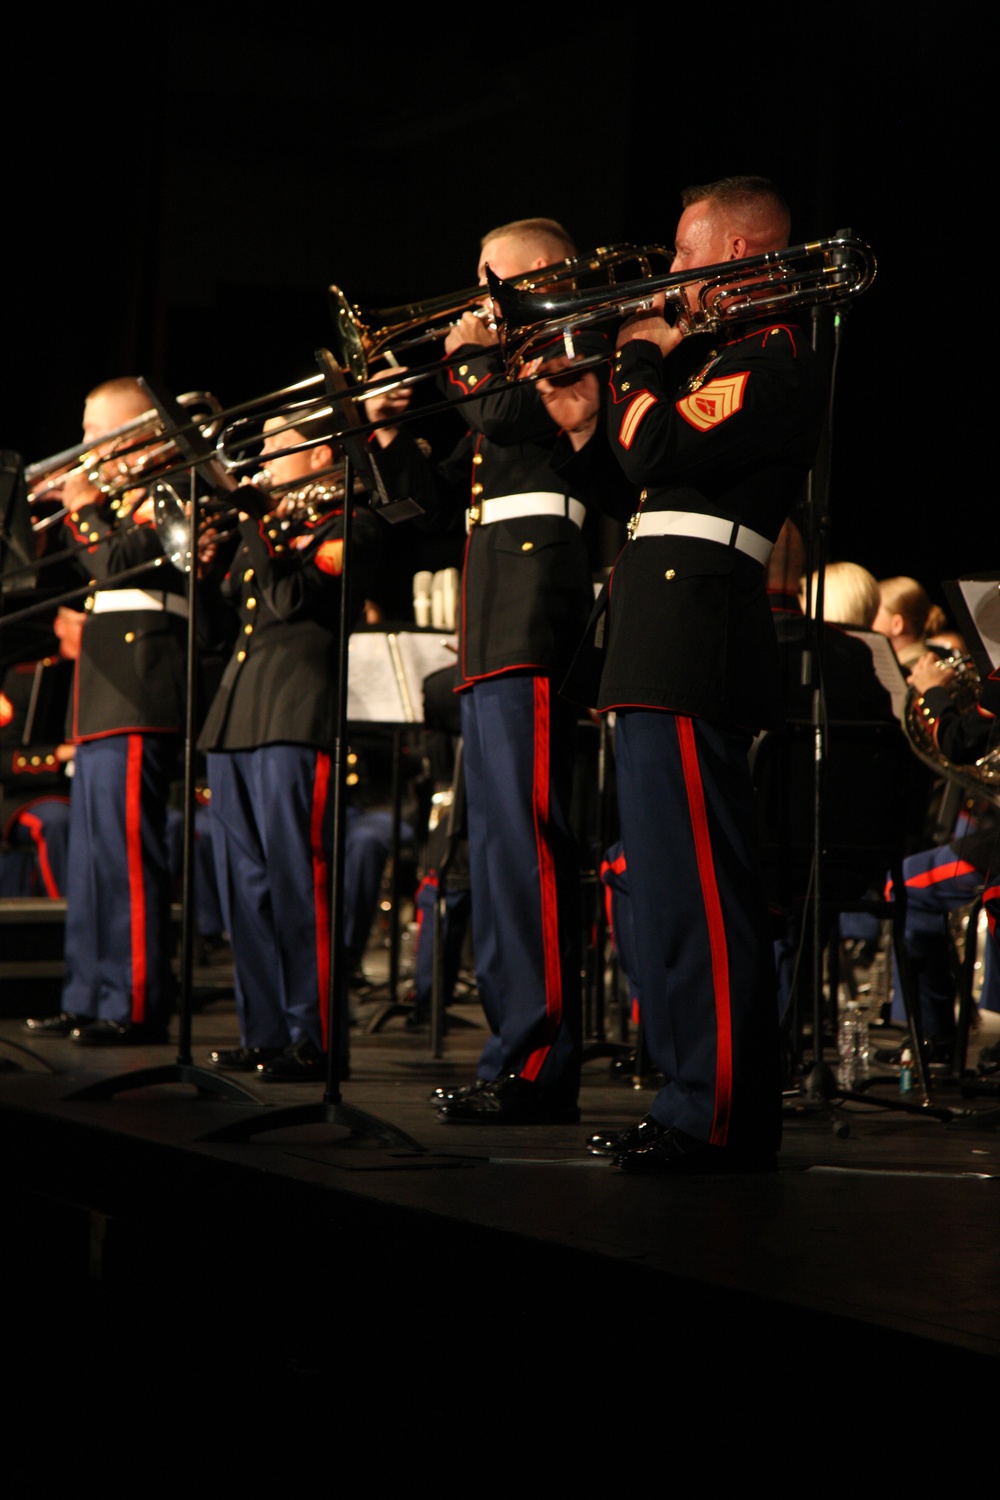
{"x": 831, "y": 271}
{"x": 151, "y": 447}
{"x": 362, "y": 337}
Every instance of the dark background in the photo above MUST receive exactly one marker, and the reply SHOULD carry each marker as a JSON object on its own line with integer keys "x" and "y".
{"x": 177, "y": 205}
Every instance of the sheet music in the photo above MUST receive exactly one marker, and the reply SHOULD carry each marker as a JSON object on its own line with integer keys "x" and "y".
{"x": 386, "y": 672}
{"x": 422, "y": 652}
{"x": 888, "y": 669}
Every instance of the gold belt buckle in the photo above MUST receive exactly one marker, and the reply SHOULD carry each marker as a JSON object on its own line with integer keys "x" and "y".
{"x": 474, "y": 515}
{"x": 633, "y": 526}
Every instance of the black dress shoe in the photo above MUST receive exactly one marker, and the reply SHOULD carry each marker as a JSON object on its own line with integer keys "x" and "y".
{"x": 118, "y": 1034}
{"x": 614, "y": 1142}
{"x": 242, "y": 1059}
{"x": 443, "y": 1095}
{"x": 674, "y": 1153}
{"x": 302, "y": 1062}
{"x": 512, "y": 1101}
{"x": 60, "y": 1025}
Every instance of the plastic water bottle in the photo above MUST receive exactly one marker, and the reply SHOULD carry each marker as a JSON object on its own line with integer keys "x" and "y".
{"x": 849, "y": 1035}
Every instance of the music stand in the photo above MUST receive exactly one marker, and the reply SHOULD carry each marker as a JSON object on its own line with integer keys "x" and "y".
{"x": 827, "y": 330}
{"x": 385, "y": 689}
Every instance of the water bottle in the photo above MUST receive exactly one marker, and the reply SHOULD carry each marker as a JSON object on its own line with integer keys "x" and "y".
{"x": 849, "y": 1046}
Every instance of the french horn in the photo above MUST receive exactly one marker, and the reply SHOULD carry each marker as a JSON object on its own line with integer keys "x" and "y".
{"x": 981, "y": 778}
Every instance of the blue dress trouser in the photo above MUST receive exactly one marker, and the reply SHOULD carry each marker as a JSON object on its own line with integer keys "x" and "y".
{"x": 703, "y": 954}
{"x": 118, "y": 885}
{"x": 270, "y": 835}
{"x": 518, "y": 744}
{"x": 41, "y": 829}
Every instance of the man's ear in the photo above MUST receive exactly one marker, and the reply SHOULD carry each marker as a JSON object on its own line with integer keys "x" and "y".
{"x": 321, "y": 457}
{"x": 737, "y": 247}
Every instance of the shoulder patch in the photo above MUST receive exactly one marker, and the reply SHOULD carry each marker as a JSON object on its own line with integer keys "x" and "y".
{"x": 329, "y": 556}
{"x": 715, "y": 402}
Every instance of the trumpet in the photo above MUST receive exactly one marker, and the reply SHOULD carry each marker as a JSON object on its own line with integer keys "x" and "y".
{"x": 296, "y": 510}
{"x": 832, "y": 271}
{"x": 362, "y": 337}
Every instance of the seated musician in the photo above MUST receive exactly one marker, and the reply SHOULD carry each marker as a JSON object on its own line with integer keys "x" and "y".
{"x": 35, "y": 774}
{"x": 950, "y": 876}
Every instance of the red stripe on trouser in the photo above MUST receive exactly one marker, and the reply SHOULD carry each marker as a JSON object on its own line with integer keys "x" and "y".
{"x": 429, "y": 882}
{"x": 940, "y": 872}
{"x": 548, "y": 900}
{"x": 991, "y": 898}
{"x": 136, "y": 880}
{"x": 37, "y": 831}
{"x": 716, "y": 931}
{"x": 321, "y": 888}
{"x": 615, "y": 867}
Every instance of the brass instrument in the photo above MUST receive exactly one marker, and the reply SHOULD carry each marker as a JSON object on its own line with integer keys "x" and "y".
{"x": 981, "y": 778}
{"x": 705, "y": 299}
{"x": 118, "y": 462}
{"x": 295, "y": 510}
{"x": 360, "y": 338}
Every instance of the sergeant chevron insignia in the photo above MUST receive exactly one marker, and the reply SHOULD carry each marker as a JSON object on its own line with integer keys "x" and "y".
{"x": 714, "y": 402}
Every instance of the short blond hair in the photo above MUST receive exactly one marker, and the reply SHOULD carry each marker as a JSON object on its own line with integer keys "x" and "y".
{"x": 850, "y": 595}
{"x": 122, "y": 388}
{"x": 908, "y": 598}
{"x": 547, "y": 237}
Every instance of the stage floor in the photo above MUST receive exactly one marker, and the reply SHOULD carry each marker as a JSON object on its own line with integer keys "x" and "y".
{"x": 877, "y": 1238}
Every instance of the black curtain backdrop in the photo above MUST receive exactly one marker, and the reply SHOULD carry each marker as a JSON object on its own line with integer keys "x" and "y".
{"x": 177, "y": 208}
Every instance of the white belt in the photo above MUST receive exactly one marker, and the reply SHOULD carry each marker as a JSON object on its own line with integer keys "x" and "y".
{"x": 707, "y": 528}
{"x": 535, "y": 503}
{"x": 108, "y": 601}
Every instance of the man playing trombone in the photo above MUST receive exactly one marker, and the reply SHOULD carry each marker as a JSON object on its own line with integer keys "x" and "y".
{"x": 525, "y": 597}
{"x": 689, "y": 663}
{"x": 128, "y": 717}
{"x": 269, "y": 736}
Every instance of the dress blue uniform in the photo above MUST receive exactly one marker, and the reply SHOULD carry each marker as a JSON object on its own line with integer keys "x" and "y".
{"x": 269, "y": 736}
{"x": 525, "y": 597}
{"x": 128, "y": 717}
{"x": 682, "y": 648}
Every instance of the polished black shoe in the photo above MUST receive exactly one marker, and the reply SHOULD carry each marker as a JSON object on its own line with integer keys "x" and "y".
{"x": 60, "y": 1025}
{"x": 118, "y": 1034}
{"x": 511, "y": 1101}
{"x": 614, "y": 1142}
{"x": 302, "y": 1062}
{"x": 444, "y": 1095}
{"x": 674, "y": 1153}
{"x": 242, "y": 1059}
